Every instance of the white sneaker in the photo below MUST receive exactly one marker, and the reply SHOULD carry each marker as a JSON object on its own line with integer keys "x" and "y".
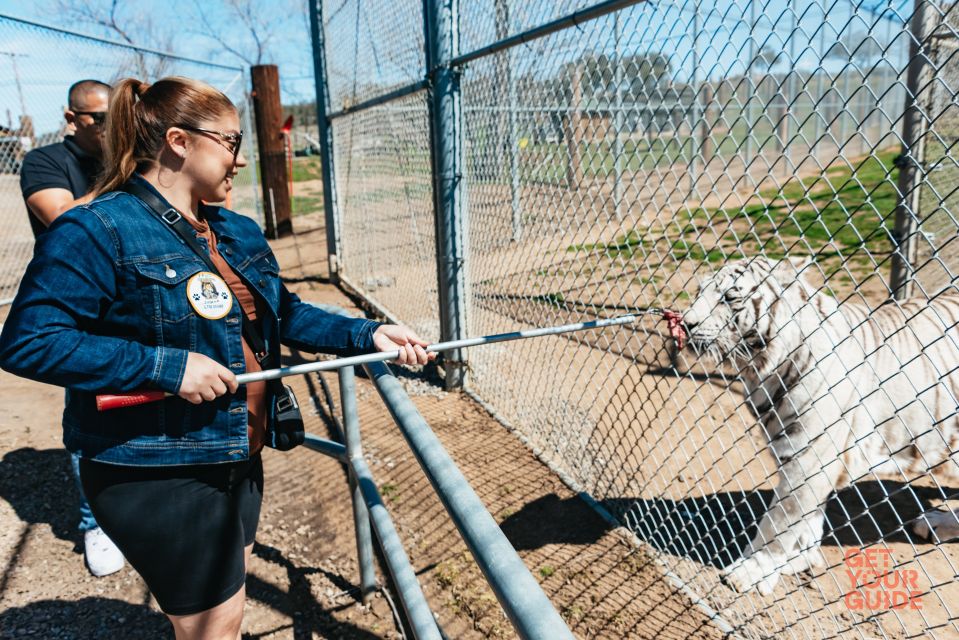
{"x": 103, "y": 557}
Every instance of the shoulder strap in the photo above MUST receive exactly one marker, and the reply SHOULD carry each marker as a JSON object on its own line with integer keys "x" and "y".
{"x": 175, "y": 221}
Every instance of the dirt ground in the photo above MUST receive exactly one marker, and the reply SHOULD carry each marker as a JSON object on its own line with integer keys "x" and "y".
{"x": 303, "y": 577}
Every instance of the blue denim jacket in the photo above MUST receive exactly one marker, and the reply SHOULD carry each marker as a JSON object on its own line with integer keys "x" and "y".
{"x": 103, "y": 308}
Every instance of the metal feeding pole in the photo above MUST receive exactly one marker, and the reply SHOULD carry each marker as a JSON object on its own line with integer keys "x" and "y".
{"x": 115, "y": 401}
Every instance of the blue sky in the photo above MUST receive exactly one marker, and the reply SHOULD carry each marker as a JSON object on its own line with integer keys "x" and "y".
{"x": 47, "y": 63}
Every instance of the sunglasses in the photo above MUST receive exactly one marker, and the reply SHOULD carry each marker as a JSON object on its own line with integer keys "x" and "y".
{"x": 98, "y": 117}
{"x": 234, "y": 140}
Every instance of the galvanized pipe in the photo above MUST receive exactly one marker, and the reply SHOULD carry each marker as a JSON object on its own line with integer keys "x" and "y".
{"x": 910, "y": 161}
{"x": 361, "y": 516}
{"x": 446, "y": 137}
{"x": 325, "y": 134}
{"x": 573, "y": 19}
{"x": 251, "y": 158}
{"x": 396, "y": 94}
{"x": 326, "y": 447}
{"x": 528, "y": 608}
{"x": 417, "y": 610}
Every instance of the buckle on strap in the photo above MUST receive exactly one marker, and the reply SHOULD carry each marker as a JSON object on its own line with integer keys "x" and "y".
{"x": 171, "y": 216}
{"x": 261, "y": 356}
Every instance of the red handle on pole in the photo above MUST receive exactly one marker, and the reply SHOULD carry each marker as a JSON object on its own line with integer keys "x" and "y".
{"x": 108, "y": 401}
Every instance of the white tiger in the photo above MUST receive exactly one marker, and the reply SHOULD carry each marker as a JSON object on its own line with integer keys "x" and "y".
{"x": 842, "y": 391}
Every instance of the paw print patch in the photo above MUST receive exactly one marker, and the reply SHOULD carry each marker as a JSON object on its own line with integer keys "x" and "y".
{"x": 209, "y": 295}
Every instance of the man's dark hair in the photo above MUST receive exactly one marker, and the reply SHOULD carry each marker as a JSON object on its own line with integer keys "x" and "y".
{"x": 78, "y": 89}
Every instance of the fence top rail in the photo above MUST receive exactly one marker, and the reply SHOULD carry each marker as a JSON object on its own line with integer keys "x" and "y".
{"x": 535, "y": 33}
{"x": 115, "y": 43}
{"x": 396, "y": 94}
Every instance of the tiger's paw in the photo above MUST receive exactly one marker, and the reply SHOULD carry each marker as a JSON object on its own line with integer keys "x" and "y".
{"x": 755, "y": 572}
{"x": 811, "y": 560}
{"x": 937, "y": 526}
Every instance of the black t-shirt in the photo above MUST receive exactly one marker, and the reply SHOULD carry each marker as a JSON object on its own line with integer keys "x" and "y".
{"x": 62, "y": 165}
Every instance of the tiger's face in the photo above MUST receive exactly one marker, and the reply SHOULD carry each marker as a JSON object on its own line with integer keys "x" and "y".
{"x": 733, "y": 313}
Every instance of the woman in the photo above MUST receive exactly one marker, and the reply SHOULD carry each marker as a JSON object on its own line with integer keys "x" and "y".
{"x": 112, "y": 301}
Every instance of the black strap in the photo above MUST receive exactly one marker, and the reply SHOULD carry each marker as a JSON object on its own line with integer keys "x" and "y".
{"x": 175, "y": 221}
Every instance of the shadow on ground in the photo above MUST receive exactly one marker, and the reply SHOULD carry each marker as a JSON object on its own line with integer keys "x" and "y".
{"x": 716, "y": 529}
{"x": 308, "y": 616}
{"x": 85, "y": 619}
{"x": 39, "y": 486}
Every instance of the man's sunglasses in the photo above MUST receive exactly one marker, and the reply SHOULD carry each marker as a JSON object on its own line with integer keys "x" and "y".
{"x": 233, "y": 139}
{"x": 98, "y": 117}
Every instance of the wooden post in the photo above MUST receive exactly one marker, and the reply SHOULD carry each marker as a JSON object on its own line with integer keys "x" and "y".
{"x": 274, "y": 175}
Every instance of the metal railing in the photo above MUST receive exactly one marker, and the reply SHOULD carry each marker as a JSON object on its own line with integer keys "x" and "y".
{"x": 499, "y": 164}
{"x": 39, "y": 63}
{"x": 522, "y": 599}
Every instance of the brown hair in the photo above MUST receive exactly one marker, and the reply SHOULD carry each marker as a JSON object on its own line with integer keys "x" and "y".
{"x": 140, "y": 115}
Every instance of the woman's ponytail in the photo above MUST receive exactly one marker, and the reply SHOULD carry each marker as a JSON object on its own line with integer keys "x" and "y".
{"x": 119, "y": 148}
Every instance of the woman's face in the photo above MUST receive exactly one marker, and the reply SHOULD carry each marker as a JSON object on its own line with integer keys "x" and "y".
{"x": 213, "y": 158}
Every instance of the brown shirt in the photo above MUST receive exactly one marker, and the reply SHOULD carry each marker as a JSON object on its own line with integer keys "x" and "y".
{"x": 255, "y": 391}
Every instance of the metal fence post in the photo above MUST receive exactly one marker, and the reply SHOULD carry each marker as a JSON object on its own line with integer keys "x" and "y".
{"x": 254, "y": 175}
{"x": 446, "y": 133}
{"x": 911, "y": 172}
{"x": 618, "y": 118}
{"x": 325, "y": 135}
{"x": 361, "y": 515}
{"x": 695, "y": 113}
{"x": 511, "y": 145}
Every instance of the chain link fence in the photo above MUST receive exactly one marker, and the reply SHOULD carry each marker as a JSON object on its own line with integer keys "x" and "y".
{"x": 795, "y": 467}
{"x": 39, "y": 65}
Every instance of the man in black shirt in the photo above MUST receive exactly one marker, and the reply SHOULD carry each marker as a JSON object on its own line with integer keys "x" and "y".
{"x": 60, "y": 176}
{"x": 53, "y": 180}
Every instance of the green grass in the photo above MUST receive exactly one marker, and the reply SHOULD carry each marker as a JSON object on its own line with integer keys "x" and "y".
{"x": 624, "y": 246}
{"x": 840, "y": 213}
{"x": 389, "y": 491}
{"x": 842, "y": 218}
{"x": 307, "y": 168}
{"x": 548, "y": 162}
{"x": 303, "y": 205}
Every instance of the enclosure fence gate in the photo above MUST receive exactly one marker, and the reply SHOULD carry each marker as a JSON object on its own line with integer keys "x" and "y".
{"x": 785, "y": 172}
{"x": 39, "y": 63}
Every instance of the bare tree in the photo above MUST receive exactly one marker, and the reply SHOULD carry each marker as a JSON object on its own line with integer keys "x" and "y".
{"x": 121, "y": 19}
{"x": 254, "y": 27}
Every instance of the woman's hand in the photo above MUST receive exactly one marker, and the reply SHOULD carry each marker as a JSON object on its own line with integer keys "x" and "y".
{"x": 205, "y": 379}
{"x": 390, "y": 337}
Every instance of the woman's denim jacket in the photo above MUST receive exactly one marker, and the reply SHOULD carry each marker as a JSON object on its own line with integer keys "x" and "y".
{"x": 103, "y": 308}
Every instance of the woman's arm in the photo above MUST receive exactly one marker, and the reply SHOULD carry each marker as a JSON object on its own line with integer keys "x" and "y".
{"x": 51, "y": 332}
{"x": 354, "y": 335}
{"x": 309, "y": 328}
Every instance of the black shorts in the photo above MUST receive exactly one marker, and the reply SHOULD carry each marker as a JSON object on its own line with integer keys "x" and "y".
{"x": 183, "y": 528}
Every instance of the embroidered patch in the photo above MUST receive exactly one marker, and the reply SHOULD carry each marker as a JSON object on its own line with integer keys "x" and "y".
{"x": 209, "y": 295}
